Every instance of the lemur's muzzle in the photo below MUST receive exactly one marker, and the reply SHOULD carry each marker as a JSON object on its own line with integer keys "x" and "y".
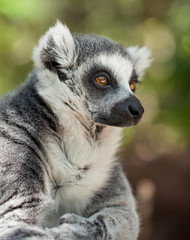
{"x": 124, "y": 113}
{"x": 127, "y": 112}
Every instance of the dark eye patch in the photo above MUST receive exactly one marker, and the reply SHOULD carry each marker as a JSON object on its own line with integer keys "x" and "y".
{"x": 133, "y": 81}
{"x": 98, "y": 70}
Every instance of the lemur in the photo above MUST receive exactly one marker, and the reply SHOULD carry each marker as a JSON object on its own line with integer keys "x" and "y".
{"x": 59, "y": 132}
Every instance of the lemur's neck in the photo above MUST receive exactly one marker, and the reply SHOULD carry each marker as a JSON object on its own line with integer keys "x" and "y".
{"x": 84, "y": 150}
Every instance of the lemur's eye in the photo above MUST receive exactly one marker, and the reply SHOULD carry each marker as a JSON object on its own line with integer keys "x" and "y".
{"x": 133, "y": 81}
{"x": 132, "y": 85}
{"x": 102, "y": 79}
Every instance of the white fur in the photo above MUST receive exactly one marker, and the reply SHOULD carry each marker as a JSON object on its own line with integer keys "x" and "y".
{"x": 75, "y": 194}
{"x": 141, "y": 58}
{"x": 80, "y": 151}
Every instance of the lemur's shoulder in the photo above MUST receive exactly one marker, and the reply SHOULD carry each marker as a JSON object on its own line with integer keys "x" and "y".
{"x": 24, "y": 111}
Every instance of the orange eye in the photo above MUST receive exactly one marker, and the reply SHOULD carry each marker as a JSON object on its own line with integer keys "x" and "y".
{"x": 103, "y": 81}
{"x": 132, "y": 85}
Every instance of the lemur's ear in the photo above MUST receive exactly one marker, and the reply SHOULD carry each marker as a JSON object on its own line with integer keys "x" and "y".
{"x": 140, "y": 58}
{"x": 56, "y": 49}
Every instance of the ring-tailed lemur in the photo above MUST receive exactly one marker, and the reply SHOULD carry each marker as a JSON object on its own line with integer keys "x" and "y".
{"x": 58, "y": 135}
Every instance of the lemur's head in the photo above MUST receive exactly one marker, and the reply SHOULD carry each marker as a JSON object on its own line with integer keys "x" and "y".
{"x": 91, "y": 76}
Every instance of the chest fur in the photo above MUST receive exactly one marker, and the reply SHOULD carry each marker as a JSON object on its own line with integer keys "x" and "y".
{"x": 78, "y": 168}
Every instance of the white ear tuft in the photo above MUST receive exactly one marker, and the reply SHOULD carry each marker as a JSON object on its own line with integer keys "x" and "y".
{"x": 55, "y": 48}
{"x": 140, "y": 58}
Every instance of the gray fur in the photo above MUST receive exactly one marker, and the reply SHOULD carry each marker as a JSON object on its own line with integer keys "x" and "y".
{"x": 91, "y": 45}
{"x": 41, "y": 161}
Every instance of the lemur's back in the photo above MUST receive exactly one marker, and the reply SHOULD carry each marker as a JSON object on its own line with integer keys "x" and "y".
{"x": 24, "y": 121}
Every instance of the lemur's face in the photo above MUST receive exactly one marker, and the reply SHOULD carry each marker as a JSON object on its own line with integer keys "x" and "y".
{"x": 108, "y": 86}
{"x": 100, "y": 76}
{"x": 108, "y": 81}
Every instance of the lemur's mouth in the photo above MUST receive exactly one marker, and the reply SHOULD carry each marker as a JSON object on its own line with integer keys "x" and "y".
{"x": 111, "y": 122}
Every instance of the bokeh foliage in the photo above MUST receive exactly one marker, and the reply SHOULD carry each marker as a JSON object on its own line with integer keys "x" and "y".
{"x": 155, "y": 154}
{"x": 162, "y": 25}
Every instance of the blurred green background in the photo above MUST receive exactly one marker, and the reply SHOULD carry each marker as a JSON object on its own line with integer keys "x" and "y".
{"x": 156, "y": 153}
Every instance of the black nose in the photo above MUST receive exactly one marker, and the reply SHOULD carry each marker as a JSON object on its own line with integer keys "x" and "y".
{"x": 130, "y": 109}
